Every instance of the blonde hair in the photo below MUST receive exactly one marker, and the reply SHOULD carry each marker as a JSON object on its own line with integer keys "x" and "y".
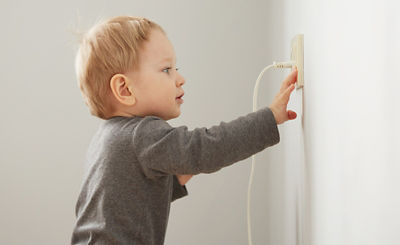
{"x": 108, "y": 48}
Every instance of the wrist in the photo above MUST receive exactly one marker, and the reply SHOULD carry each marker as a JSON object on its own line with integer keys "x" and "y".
{"x": 275, "y": 114}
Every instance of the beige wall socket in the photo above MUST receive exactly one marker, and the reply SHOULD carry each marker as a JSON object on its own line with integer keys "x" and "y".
{"x": 297, "y": 55}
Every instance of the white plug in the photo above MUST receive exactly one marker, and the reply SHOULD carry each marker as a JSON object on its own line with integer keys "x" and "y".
{"x": 287, "y": 64}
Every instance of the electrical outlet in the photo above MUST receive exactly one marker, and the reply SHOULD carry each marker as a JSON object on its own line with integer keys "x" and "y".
{"x": 297, "y": 55}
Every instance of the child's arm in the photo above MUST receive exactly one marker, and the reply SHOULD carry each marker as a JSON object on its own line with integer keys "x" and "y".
{"x": 162, "y": 149}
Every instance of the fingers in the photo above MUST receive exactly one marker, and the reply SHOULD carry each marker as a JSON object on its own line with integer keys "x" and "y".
{"x": 286, "y": 94}
{"x": 291, "y": 79}
{"x": 282, "y": 98}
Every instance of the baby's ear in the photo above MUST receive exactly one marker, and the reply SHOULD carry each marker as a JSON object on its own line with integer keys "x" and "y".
{"x": 121, "y": 89}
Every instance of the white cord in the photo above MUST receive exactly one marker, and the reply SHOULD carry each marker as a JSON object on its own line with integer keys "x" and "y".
{"x": 289, "y": 64}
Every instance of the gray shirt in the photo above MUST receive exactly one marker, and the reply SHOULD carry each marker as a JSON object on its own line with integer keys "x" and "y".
{"x": 131, "y": 167}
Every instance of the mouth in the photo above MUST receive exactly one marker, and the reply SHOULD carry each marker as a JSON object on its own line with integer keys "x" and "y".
{"x": 179, "y": 99}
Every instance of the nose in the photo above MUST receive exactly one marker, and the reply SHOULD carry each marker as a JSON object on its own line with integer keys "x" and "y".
{"x": 180, "y": 80}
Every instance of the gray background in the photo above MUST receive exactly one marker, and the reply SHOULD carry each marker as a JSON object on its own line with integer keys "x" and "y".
{"x": 221, "y": 47}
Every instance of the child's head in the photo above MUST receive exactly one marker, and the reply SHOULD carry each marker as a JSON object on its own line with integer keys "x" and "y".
{"x": 126, "y": 67}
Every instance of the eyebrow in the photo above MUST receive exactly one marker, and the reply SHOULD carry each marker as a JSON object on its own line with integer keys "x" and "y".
{"x": 166, "y": 59}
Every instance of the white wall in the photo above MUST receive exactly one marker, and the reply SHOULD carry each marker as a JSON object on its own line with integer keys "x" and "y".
{"x": 221, "y": 47}
{"x": 351, "y": 118}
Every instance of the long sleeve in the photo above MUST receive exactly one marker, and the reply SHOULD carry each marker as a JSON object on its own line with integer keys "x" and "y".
{"x": 162, "y": 149}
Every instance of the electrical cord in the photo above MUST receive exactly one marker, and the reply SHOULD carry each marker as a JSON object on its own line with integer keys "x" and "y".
{"x": 278, "y": 65}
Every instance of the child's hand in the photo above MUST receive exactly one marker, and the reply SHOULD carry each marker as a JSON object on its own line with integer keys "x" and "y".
{"x": 279, "y": 105}
{"x": 183, "y": 179}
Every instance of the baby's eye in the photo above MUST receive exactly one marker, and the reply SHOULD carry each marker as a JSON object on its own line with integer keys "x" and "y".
{"x": 166, "y": 69}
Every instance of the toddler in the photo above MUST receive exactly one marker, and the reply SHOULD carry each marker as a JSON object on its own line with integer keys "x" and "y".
{"x": 137, "y": 163}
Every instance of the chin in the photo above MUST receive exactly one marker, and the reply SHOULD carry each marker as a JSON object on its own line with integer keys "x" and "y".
{"x": 172, "y": 116}
{"x": 176, "y": 114}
